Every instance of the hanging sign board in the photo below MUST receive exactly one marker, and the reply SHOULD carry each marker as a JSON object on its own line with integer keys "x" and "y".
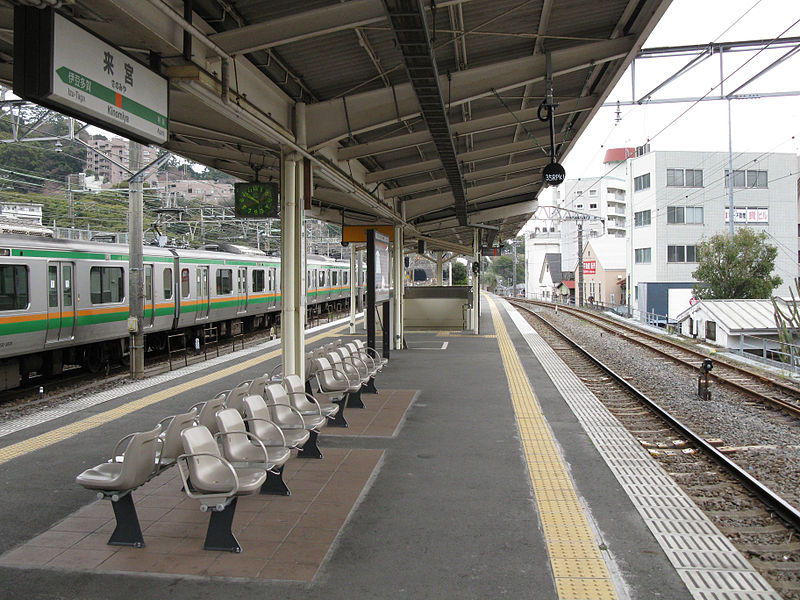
{"x": 491, "y": 250}
{"x": 358, "y": 233}
{"x": 61, "y": 65}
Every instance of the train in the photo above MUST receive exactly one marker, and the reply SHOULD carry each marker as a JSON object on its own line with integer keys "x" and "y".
{"x": 65, "y": 302}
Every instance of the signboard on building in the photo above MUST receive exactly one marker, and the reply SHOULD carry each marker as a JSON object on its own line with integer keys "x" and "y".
{"x": 750, "y": 215}
{"x": 61, "y": 65}
{"x": 589, "y": 267}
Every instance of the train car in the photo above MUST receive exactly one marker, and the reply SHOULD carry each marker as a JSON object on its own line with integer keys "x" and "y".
{"x": 65, "y": 302}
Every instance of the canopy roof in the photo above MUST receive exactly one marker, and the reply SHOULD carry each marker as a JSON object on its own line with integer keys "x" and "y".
{"x": 423, "y": 114}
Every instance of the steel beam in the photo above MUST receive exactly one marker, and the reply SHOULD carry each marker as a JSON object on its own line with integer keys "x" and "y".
{"x": 377, "y": 108}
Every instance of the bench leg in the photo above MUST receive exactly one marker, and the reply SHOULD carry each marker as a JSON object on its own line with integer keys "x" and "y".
{"x": 275, "y": 484}
{"x": 354, "y": 400}
{"x": 219, "y": 535}
{"x": 310, "y": 448}
{"x": 127, "y": 531}
{"x": 338, "y": 419}
{"x": 370, "y": 388}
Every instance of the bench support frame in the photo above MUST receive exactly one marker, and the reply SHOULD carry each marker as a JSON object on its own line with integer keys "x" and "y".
{"x": 275, "y": 484}
{"x": 310, "y": 449}
{"x": 127, "y": 532}
{"x": 354, "y": 400}
{"x": 219, "y": 535}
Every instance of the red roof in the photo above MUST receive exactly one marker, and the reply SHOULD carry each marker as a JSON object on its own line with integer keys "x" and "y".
{"x": 618, "y": 154}
{"x": 570, "y": 283}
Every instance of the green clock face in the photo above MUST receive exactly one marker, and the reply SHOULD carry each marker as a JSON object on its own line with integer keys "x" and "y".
{"x": 256, "y": 200}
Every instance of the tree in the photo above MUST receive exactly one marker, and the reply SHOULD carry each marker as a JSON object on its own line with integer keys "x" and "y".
{"x": 737, "y": 267}
{"x": 459, "y": 273}
{"x": 503, "y": 267}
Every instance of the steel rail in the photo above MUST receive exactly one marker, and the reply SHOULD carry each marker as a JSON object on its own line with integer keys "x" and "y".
{"x": 613, "y": 326}
{"x": 773, "y": 501}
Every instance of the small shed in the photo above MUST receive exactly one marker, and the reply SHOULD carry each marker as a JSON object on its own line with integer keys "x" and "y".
{"x": 742, "y": 325}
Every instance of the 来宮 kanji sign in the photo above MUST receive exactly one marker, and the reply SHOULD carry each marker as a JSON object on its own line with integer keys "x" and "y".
{"x": 66, "y": 67}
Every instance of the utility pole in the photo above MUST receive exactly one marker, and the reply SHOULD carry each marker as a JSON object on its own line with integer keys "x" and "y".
{"x": 136, "y": 262}
{"x": 580, "y": 263}
{"x": 514, "y": 274}
{"x": 730, "y": 171}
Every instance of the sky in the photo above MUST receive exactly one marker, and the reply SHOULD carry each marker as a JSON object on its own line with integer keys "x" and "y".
{"x": 758, "y": 125}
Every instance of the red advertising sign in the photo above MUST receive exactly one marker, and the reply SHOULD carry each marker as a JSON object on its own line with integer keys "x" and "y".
{"x": 589, "y": 267}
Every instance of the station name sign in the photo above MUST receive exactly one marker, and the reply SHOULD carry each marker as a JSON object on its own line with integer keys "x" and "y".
{"x": 61, "y": 65}
{"x": 491, "y": 250}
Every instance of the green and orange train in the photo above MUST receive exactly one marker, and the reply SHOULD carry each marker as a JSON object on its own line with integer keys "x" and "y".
{"x": 65, "y": 302}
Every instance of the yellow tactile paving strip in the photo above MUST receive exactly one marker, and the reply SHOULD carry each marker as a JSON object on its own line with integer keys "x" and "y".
{"x": 67, "y": 431}
{"x": 578, "y": 567}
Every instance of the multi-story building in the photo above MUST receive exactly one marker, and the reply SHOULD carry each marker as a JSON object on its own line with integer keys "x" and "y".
{"x": 104, "y": 157}
{"x": 602, "y": 197}
{"x": 682, "y": 198}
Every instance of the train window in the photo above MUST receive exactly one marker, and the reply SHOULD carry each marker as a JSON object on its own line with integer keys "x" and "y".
{"x": 106, "y": 284}
{"x": 334, "y": 278}
{"x": 13, "y": 287}
{"x": 148, "y": 282}
{"x": 321, "y": 282}
{"x": 224, "y": 281}
{"x": 66, "y": 278}
{"x": 272, "y": 280}
{"x": 167, "y": 284}
{"x": 345, "y": 277}
{"x": 185, "y": 291}
{"x": 258, "y": 281}
{"x": 52, "y": 286}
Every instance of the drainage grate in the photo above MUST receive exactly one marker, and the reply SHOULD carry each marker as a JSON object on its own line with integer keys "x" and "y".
{"x": 710, "y": 566}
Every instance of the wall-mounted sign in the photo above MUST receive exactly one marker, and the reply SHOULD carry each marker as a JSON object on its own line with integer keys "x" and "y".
{"x": 748, "y": 215}
{"x": 358, "y": 233}
{"x": 554, "y": 174}
{"x": 590, "y": 267}
{"x": 256, "y": 200}
{"x": 61, "y": 65}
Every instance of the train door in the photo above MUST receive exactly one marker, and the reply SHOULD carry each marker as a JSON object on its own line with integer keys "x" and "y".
{"x": 241, "y": 294}
{"x": 202, "y": 293}
{"x": 60, "y": 301}
{"x": 149, "y": 299}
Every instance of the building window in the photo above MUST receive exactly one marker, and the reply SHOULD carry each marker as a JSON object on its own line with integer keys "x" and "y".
{"x": 692, "y": 215}
{"x": 679, "y": 254}
{"x": 747, "y": 179}
{"x": 642, "y": 182}
{"x": 592, "y": 193}
{"x": 593, "y": 205}
{"x": 641, "y": 218}
{"x": 642, "y": 255}
{"x": 711, "y": 330}
{"x": 106, "y": 284}
{"x": 685, "y": 177}
{"x": 224, "y": 281}
{"x": 13, "y": 287}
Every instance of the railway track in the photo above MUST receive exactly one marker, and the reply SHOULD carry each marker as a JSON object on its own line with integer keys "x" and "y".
{"x": 772, "y": 391}
{"x": 739, "y": 504}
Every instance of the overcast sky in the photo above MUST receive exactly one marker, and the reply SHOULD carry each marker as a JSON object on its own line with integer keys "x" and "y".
{"x": 759, "y": 125}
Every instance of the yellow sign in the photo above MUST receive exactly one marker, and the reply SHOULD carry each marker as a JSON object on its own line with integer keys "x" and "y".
{"x": 358, "y": 233}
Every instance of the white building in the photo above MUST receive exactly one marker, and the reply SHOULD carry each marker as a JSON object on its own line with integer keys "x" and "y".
{"x": 603, "y": 197}
{"x": 104, "y": 157}
{"x": 681, "y": 198}
{"x": 24, "y": 211}
{"x": 538, "y": 244}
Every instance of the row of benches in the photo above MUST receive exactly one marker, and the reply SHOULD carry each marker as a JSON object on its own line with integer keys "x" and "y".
{"x": 237, "y": 442}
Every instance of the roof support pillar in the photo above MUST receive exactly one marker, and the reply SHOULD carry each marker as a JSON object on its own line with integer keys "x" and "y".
{"x": 293, "y": 285}
{"x": 397, "y": 256}
{"x": 476, "y": 281}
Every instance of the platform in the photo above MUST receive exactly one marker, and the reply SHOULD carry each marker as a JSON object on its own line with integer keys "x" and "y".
{"x": 468, "y": 476}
